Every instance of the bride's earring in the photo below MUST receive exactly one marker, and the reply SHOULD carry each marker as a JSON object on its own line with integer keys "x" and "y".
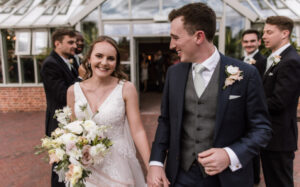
{"x": 89, "y": 65}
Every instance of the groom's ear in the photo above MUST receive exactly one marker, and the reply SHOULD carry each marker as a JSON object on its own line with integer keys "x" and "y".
{"x": 199, "y": 36}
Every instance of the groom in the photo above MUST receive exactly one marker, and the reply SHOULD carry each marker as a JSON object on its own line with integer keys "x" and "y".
{"x": 210, "y": 126}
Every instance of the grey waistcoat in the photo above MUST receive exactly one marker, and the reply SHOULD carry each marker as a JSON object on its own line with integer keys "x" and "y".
{"x": 198, "y": 119}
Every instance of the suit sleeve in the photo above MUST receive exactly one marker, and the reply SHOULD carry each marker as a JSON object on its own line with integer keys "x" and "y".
{"x": 161, "y": 141}
{"x": 54, "y": 82}
{"x": 258, "y": 130}
{"x": 286, "y": 86}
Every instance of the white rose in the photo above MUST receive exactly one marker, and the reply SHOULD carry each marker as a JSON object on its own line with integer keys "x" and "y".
{"x": 67, "y": 111}
{"x": 60, "y": 153}
{"x": 61, "y": 118}
{"x": 95, "y": 150}
{"x": 67, "y": 138}
{"x": 89, "y": 125}
{"x": 58, "y": 131}
{"x": 232, "y": 70}
{"x": 75, "y": 153}
{"x": 74, "y": 127}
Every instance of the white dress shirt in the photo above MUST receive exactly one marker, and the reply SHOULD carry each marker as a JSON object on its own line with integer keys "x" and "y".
{"x": 275, "y": 53}
{"x": 250, "y": 56}
{"x": 67, "y": 62}
{"x": 210, "y": 65}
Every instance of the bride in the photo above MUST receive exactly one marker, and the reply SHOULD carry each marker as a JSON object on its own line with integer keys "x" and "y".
{"x": 111, "y": 100}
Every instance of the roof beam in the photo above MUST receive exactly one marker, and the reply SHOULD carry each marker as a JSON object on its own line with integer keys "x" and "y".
{"x": 84, "y": 12}
{"x": 271, "y": 7}
{"x": 292, "y": 8}
{"x": 235, "y": 4}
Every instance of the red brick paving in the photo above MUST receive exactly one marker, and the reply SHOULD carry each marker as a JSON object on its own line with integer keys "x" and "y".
{"x": 20, "y": 132}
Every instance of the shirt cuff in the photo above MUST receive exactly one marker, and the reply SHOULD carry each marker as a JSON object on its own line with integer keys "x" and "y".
{"x": 235, "y": 163}
{"x": 156, "y": 163}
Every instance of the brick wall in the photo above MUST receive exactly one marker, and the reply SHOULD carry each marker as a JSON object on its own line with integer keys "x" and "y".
{"x": 22, "y": 99}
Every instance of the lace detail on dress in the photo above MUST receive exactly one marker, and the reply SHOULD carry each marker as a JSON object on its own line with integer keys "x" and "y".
{"x": 120, "y": 167}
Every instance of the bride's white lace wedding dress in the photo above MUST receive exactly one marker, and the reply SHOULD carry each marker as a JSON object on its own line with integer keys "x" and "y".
{"x": 120, "y": 168}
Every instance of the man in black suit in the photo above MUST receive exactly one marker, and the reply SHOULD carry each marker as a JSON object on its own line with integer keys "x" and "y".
{"x": 213, "y": 117}
{"x": 281, "y": 84}
{"x": 251, "y": 42}
{"x": 57, "y": 75}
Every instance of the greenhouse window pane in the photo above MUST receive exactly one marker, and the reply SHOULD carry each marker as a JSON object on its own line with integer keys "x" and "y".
{"x": 90, "y": 27}
{"x": 277, "y": 3}
{"x": 116, "y": 29}
{"x": 27, "y": 69}
{"x": 24, "y": 8}
{"x": 23, "y": 42}
{"x": 263, "y": 8}
{"x": 10, "y": 59}
{"x": 235, "y": 24}
{"x": 2, "y": 2}
{"x": 40, "y": 42}
{"x": 151, "y": 29}
{"x": 144, "y": 8}
{"x": 6, "y": 10}
{"x": 123, "y": 44}
{"x": 115, "y": 9}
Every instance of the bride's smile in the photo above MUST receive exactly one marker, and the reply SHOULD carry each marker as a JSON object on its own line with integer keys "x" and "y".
{"x": 103, "y": 59}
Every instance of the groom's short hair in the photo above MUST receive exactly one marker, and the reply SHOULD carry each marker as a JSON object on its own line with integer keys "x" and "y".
{"x": 197, "y": 16}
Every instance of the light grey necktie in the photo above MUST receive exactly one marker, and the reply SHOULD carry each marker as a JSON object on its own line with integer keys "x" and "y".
{"x": 269, "y": 63}
{"x": 199, "y": 82}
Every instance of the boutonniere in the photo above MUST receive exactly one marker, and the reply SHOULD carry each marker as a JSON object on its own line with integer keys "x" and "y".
{"x": 251, "y": 61}
{"x": 275, "y": 59}
{"x": 233, "y": 74}
{"x": 71, "y": 61}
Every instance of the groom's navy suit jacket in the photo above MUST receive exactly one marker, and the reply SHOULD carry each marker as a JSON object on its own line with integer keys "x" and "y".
{"x": 241, "y": 123}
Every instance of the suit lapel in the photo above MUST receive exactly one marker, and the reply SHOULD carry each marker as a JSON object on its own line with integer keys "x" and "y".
{"x": 282, "y": 54}
{"x": 223, "y": 95}
{"x": 62, "y": 63}
{"x": 181, "y": 85}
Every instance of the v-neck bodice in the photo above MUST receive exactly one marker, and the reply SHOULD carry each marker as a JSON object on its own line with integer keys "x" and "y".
{"x": 110, "y": 112}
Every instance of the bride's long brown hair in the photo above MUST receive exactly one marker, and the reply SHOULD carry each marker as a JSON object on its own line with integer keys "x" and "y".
{"x": 118, "y": 72}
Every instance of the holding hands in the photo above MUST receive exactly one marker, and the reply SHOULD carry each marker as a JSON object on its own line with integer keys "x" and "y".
{"x": 156, "y": 177}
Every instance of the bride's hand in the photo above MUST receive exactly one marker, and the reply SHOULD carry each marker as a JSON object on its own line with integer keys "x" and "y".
{"x": 156, "y": 177}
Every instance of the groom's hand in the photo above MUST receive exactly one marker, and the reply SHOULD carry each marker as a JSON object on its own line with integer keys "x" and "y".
{"x": 156, "y": 177}
{"x": 214, "y": 160}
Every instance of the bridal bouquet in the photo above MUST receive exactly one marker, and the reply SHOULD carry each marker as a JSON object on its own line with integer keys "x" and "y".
{"x": 75, "y": 146}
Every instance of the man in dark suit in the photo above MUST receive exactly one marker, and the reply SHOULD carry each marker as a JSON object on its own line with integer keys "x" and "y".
{"x": 213, "y": 116}
{"x": 57, "y": 75}
{"x": 251, "y": 42}
{"x": 281, "y": 84}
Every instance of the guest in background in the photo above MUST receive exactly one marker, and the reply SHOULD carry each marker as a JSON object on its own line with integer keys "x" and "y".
{"x": 281, "y": 84}
{"x": 58, "y": 73}
{"x": 251, "y": 42}
{"x": 144, "y": 72}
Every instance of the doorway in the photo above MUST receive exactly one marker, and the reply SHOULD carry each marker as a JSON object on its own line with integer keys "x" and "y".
{"x": 153, "y": 58}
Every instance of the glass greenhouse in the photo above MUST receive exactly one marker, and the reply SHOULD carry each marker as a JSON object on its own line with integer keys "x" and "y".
{"x": 137, "y": 25}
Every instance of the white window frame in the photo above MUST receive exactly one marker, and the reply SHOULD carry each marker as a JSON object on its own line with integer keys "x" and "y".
{"x": 28, "y": 47}
{"x": 34, "y": 39}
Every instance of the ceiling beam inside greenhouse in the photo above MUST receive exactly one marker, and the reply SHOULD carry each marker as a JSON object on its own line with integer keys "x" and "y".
{"x": 83, "y": 13}
{"x": 235, "y": 4}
